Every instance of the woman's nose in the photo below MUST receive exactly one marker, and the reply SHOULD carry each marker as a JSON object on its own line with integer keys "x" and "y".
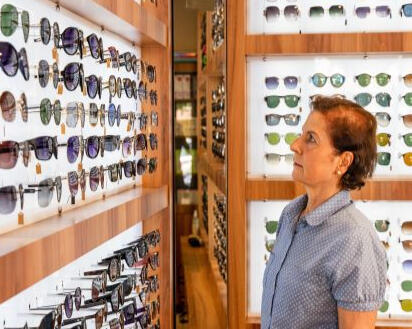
{"x": 295, "y": 146}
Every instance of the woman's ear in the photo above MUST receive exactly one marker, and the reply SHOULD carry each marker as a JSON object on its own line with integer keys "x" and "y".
{"x": 346, "y": 160}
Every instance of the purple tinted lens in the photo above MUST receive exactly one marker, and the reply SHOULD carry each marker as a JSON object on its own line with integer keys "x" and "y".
{"x": 71, "y": 76}
{"x": 93, "y": 45}
{"x": 8, "y": 199}
{"x": 73, "y": 147}
{"x": 94, "y": 178}
{"x": 141, "y": 142}
{"x": 118, "y": 115}
{"x": 91, "y": 83}
{"x": 23, "y": 64}
{"x": 271, "y": 13}
{"x": 68, "y": 306}
{"x": 111, "y": 116}
{"x": 362, "y": 12}
{"x": 8, "y": 59}
{"x": 45, "y": 30}
{"x": 70, "y": 40}
{"x": 128, "y": 169}
{"x": 407, "y": 266}
{"x": 272, "y": 82}
{"x": 92, "y": 147}
{"x": 73, "y": 180}
{"x": 383, "y": 11}
{"x": 141, "y": 166}
{"x": 127, "y": 146}
{"x": 290, "y": 82}
{"x": 127, "y": 83}
{"x": 43, "y": 147}
{"x": 291, "y": 12}
{"x": 43, "y": 73}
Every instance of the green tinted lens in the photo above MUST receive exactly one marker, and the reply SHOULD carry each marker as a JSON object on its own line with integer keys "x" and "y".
{"x": 406, "y": 285}
{"x": 382, "y": 79}
{"x": 384, "y": 307}
{"x": 408, "y": 99}
{"x": 316, "y": 11}
{"x": 383, "y": 139}
{"x": 273, "y": 138}
{"x": 383, "y": 99}
{"x": 45, "y": 111}
{"x": 9, "y": 19}
{"x": 272, "y": 101}
{"x": 384, "y": 158}
{"x": 319, "y": 79}
{"x": 271, "y": 226}
{"x": 363, "y": 99}
{"x": 290, "y": 138}
{"x": 292, "y": 100}
{"x": 406, "y": 305}
{"x": 364, "y": 79}
{"x": 57, "y": 109}
{"x": 336, "y": 10}
{"x": 25, "y": 22}
{"x": 269, "y": 245}
{"x": 381, "y": 225}
{"x": 337, "y": 80}
{"x": 408, "y": 139}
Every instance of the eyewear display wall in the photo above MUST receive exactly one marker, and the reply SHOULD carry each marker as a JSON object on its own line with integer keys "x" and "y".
{"x": 71, "y": 112}
{"x": 280, "y": 91}
{"x": 298, "y": 16}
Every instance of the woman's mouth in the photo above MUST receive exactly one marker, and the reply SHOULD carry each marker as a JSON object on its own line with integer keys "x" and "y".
{"x": 297, "y": 164}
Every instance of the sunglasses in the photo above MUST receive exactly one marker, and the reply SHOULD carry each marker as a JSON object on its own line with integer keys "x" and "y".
{"x": 74, "y": 110}
{"x": 11, "y": 60}
{"x": 153, "y": 97}
{"x": 334, "y": 11}
{"x": 290, "y": 119}
{"x": 274, "y": 158}
{"x": 274, "y": 138}
{"x": 336, "y": 80}
{"x": 406, "y": 10}
{"x": 8, "y": 106}
{"x": 152, "y": 165}
{"x": 99, "y": 317}
{"x": 142, "y": 91}
{"x": 382, "y": 225}
{"x": 407, "y": 138}
{"x": 272, "y": 13}
{"x": 364, "y": 79}
{"x": 407, "y": 158}
{"x": 382, "y": 118}
{"x": 43, "y": 73}
{"x": 51, "y": 320}
{"x": 381, "y": 11}
{"x": 72, "y": 76}
{"x": 9, "y": 20}
{"x": 125, "y": 60}
{"x": 45, "y": 31}
{"x": 271, "y": 226}
{"x": 383, "y": 99}
{"x": 384, "y": 158}
{"x": 151, "y": 73}
{"x": 383, "y": 139}
{"x": 274, "y": 100}
{"x": 141, "y": 166}
{"x": 290, "y": 82}
{"x": 71, "y": 40}
{"x": 93, "y": 86}
{"x": 95, "y": 46}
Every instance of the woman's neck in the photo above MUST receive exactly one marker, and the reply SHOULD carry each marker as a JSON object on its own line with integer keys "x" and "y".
{"x": 317, "y": 196}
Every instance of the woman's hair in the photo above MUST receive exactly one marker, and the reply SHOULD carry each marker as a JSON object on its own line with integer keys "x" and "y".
{"x": 351, "y": 128}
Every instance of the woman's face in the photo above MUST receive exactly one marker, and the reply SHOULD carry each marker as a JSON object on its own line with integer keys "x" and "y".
{"x": 315, "y": 161}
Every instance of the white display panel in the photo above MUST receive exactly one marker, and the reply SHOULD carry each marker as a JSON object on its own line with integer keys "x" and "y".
{"x": 15, "y": 311}
{"x": 350, "y": 22}
{"x": 20, "y": 131}
{"x": 396, "y": 212}
{"x": 304, "y": 67}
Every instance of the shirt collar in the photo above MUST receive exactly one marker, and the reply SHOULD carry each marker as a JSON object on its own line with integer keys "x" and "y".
{"x": 323, "y": 211}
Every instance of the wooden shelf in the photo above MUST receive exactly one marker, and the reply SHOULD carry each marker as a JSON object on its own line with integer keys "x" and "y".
{"x": 306, "y": 44}
{"x": 33, "y": 252}
{"x": 286, "y": 189}
{"x": 125, "y": 18}
{"x": 215, "y": 171}
{"x": 221, "y": 285}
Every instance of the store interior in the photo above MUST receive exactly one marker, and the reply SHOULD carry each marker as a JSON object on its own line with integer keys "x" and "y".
{"x": 145, "y": 152}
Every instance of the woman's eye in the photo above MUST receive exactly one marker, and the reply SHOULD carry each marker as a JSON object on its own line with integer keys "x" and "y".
{"x": 310, "y": 138}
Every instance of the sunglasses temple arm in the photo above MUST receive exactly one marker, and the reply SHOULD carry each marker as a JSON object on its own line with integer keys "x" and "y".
{"x": 90, "y": 303}
{"x": 97, "y": 272}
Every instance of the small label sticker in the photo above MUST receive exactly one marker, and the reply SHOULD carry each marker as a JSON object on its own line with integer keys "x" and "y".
{"x": 60, "y": 89}
{"x": 20, "y": 218}
{"x": 83, "y": 195}
{"x": 38, "y": 169}
{"x": 55, "y": 55}
{"x": 84, "y": 91}
{"x": 63, "y": 129}
{"x": 80, "y": 166}
{"x": 129, "y": 126}
{"x": 108, "y": 61}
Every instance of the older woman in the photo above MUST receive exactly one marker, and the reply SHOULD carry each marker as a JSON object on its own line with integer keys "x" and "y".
{"x": 328, "y": 267}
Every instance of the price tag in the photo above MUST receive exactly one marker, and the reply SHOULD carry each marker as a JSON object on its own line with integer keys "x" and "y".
{"x": 20, "y": 218}
{"x": 55, "y": 54}
{"x": 84, "y": 91}
{"x": 83, "y": 195}
{"x": 60, "y": 89}
{"x": 63, "y": 129}
{"x": 129, "y": 126}
{"x": 108, "y": 61}
{"x": 80, "y": 166}
{"x": 38, "y": 169}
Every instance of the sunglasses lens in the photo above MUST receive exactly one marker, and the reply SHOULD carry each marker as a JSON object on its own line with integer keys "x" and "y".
{"x": 92, "y": 147}
{"x": 291, "y": 137}
{"x": 336, "y": 10}
{"x": 118, "y": 115}
{"x": 408, "y": 139}
{"x": 272, "y": 82}
{"x": 292, "y": 119}
{"x": 43, "y": 73}
{"x": 383, "y": 99}
{"x": 91, "y": 85}
{"x": 384, "y": 158}
{"x": 272, "y": 13}
{"x": 141, "y": 166}
{"x": 110, "y": 143}
{"x": 316, "y": 11}
{"x": 362, "y": 12}
{"x": 364, "y": 79}
{"x": 8, "y": 59}
{"x": 94, "y": 45}
{"x": 153, "y": 141}
{"x": 57, "y": 110}
{"x": 99, "y": 319}
{"x": 111, "y": 116}
{"x": 127, "y": 146}
{"x": 272, "y": 101}
{"x": 25, "y": 23}
{"x": 408, "y": 99}
{"x": 407, "y": 120}
{"x": 406, "y": 285}
{"x": 291, "y": 100}
{"x": 319, "y": 79}
{"x": 383, "y": 11}
{"x": 45, "y": 192}
{"x": 271, "y": 226}
{"x": 382, "y": 139}
{"x": 72, "y": 115}
{"x": 58, "y": 183}
{"x": 73, "y": 180}
{"x": 363, "y": 99}
{"x": 73, "y": 147}
{"x": 272, "y": 119}
{"x": 93, "y": 114}
{"x": 269, "y": 244}
{"x": 273, "y": 158}
{"x": 56, "y": 34}
{"x": 152, "y": 165}
{"x": 8, "y": 199}
{"x": 406, "y": 305}
{"x": 9, "y": 19}
{"x": 381, "y": 225}
{"x": 127, "y": 83}
{"x": 384, "y": 308}
{"x": 128, "y": 169}
{"x": 407, "y": 10}
{"x": 77, "y": 298}
{"x": 43, "y": 147}
{"x": 290, "y": 82}
{"x": 383, "y": 119}
{"x": 407, "y": 245}
{"x": 407, "y": 158}
{"x": 94, "y": 179}
{"x": 273, "y": 138}
{"x": 45, "y": 111}
{"x": 68, "y": 306}
{"x": 141, "y": 142}
{"x": 70, "y": 40}
{"x": 8, "y": 106}
{"x": 382, "y": 79}
{"x": 71, "y": 76}
{"x": 291, "y": 12}
{"x": 337, "y": 80}
{"x": 45, "y": 30}
{"x": 23, "y": 64}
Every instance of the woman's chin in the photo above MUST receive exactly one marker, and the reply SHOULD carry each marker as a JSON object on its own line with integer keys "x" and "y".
{"x": 297, "y": 174}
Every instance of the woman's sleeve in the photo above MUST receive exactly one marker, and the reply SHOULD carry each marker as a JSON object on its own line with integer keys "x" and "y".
{"x": 359, "y": 273}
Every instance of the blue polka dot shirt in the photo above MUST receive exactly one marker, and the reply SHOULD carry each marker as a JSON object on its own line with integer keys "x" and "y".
{"x": 330, "y": 258}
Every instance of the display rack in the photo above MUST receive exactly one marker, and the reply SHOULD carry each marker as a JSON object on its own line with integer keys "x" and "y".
{"x": 245, "y": 188}
{"x": 31, "y": 253}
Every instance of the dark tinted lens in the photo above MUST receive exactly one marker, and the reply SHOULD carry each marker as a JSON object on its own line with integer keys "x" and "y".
{"x": 127, "y": 146}
{"x": 93, "y": 114}
{"x": 113, "y": 173}
{"x": 127, "y": 83}
{"x": 362, "y": 12}
{"x": 141, "y": 142}
{"x": 272, "y": 82}
{"x": 8, "y": 106}
{"x": 9, "y": 19}
{"x": 78, "y": 298}
{"x": 70, "y": 40}
{"x": 407, "y": 10}
{"x": 45, "y": 30}
{"x": 45, "y": 111}
{"x": 8, "y": 199}
{"x": 93, "y": 42}
{"x": 73, "y": 180}
{"x": 91, "y": 84}
{"x": 23, "y": 64}
{"x": 43, "y": 147}
{"x": 43, "y": 73}
{"x": 111, "y": 115}
{"x": 58, "y": 184}
{"x": 94, "y": 178}
{"x": 45, "y": 192}
{"x": 71, "y": 76}
{"x": 73, "y": 147}
{"x": 57, "y": 110}
{"x": 92, "y": 146}
{"x": 55, "y": 75}
{"x": 128, "y": 169}
{"x": 110, "y": 143}
{"x": 56, "y": 34}
{"x": 8, "y": 58}
{"x": 68, "y": 306}
{"x": 153, "y": 141}
{"x": 118, "y": 115}
{"x": 141, "y": 166}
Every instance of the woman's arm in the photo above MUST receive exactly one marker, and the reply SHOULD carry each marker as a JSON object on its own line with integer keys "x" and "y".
{"x": 355, "y": 319}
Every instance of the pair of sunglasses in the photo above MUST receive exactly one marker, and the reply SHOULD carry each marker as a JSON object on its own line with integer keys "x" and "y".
{"x": 383, "y": 139}
{"x": 290, "y": 82}
{"x": 380, "y": 11}
{"x": 9, "y": 20}
{"x": 271, "y": 226}
{"x": 336, "y": 80}
{"x": 290, "y": 119}
{"x": 11, "y": 61}
{"x": 274, "y": 158}
{"x": 274, "y": 138}
{"x": 272, "y": 13}
{"x": 273, "y": 101}
{"x": 45, "y": 31}
{"x": 334, "y": 11}
{"x": 364, "y": 79}
{"x": 364, "y": 99}
{"x": 72, "y": 76}
{"x": 382, "y": 118}
{"x": 407, "y": 138}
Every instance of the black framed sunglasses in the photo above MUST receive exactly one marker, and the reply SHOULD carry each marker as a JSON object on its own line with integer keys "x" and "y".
{"x": 45, "y": 31}
{"x": 71, "y": 40}
{"x": 72, "y": 76}
{"x": 11, "y": 61}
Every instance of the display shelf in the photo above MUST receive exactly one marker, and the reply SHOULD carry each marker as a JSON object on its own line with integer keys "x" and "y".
{"x": 126, "y": 18}
{"x": 215, "y": 171}
{"x": 327, "y": 43}
{"x": 287, "y": 189}
{"x": 221, "y": 285}
{"x": 48, "y": 245}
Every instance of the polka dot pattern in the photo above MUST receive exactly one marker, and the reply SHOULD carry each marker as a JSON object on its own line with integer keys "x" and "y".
{"x": 330, "y": 258}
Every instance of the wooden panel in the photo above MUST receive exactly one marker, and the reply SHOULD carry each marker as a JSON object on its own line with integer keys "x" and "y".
{"x": 214, "y": 170}
{"x": 304, "y": 44}
{"x": 46, "y": 246}
{"x": 265, "y": 189}
{"x": 236, "y": 162}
